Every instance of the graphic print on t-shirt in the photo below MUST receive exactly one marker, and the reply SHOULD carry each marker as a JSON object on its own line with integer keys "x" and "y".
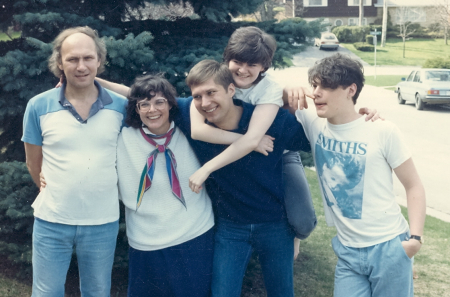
{"x": 341, "y": 166}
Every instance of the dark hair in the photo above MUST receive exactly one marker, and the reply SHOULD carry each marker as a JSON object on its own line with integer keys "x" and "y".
{"x": 207, "y": 69}
{"x": 146, "y": 87}
{"x": 338, "y": 71}
{"x": 250, "y": 45}
{"x": 55, "y": 58}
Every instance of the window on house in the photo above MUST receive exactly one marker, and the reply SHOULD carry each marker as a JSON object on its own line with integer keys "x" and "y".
{"x": 338, "y": 23}
{"x": 355, "y": 21}
{"x": 307, "y": 3}
{"x": 410, "y": 14}
{"x": 356, "y": 2}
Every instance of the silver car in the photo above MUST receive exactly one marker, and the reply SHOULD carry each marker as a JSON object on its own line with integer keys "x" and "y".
{"x": 327, "y": 40}
{"x": 425, "y": 86}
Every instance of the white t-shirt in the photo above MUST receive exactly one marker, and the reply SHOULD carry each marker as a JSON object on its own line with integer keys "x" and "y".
{"x": 354, "y": 163}
{"x": 267, "y": 91}
{"x": 161, "y": 220}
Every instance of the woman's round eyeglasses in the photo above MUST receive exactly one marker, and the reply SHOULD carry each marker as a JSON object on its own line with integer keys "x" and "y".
{"x": 145, "y": 105}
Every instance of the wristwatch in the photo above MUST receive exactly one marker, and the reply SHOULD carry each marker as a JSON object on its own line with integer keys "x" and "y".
{"x": 419, "y": 238}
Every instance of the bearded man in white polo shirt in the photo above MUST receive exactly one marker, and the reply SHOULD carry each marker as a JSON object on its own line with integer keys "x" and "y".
{"x": 70, "y": 135}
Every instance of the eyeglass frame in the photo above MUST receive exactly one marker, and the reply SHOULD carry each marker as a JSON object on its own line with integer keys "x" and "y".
{"x": 138, "y": 104}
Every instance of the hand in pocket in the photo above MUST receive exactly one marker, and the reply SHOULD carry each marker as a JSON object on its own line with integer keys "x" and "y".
{"x": 411, "y": 247}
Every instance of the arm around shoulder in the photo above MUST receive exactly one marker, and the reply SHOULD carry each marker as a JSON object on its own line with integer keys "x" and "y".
{"x": 297, "y": 135}
{"x": 260, "y": 122}
{"x": 204, "y": 132}
{"x": 118, "y": 88}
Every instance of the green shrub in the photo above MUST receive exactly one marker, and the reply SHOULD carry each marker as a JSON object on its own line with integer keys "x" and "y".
{"x": 307, "y": 159}
{"x": 17, "y": 192}
{"x": 343, "y": 33}
{"x": 369, "y": 39}
{"x": 419, "y": 31}
{"x": 350, "y": 33}
{"x": 364, "y": 47}
{"x": 435, "y": 30}
{"x": 437, "y": 63}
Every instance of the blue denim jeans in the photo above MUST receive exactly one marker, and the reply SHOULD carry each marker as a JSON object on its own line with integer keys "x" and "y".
{"x": 297, "y": 197}
{"x": 233, "y": 247}
{"x": 53, "y": 245}
{"x": 376, "y": 271}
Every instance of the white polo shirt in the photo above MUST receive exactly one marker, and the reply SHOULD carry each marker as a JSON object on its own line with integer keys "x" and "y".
{"x": 79, "y": 157}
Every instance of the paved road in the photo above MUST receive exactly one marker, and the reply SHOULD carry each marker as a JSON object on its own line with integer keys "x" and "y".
{"x": 426, "y": 132}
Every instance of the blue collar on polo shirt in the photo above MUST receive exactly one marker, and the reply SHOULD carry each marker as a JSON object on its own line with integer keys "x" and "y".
{"x": 103, "y": 99}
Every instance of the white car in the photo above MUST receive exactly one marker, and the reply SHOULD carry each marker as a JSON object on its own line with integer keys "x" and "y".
{"x": 327, "y": 40}
{"x": 425, "y": 86}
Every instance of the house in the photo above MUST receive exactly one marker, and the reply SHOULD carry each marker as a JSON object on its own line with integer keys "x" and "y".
{"x": 346, "y": 12}
{"x": 414, "y": 11}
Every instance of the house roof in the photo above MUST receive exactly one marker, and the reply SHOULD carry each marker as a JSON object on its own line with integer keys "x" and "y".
{"x": 409, "y": 3}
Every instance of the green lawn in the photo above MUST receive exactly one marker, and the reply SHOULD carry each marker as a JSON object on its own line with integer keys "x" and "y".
{"x": 4, "y": 37}
{"x": 416, "y": 53}
{"x": 13, "y": 288}
{"x": 314, "y": 269}
{"x": 383, "y": 80}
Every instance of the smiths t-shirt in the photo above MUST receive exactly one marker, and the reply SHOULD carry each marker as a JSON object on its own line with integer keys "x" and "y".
{"x": 354, "y": 163}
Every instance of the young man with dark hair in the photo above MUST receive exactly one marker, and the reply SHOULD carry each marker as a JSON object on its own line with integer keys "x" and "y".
{"x": 247, "y": 195}
{"x": 354, "y": 161}
{"x": 70, "y": 136}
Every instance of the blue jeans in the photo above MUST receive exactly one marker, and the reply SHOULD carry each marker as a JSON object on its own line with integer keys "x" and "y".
{"x": 53, "y": 246}
{"x": 297, "y": 197}
{"x": 232, "y": 250}
{"x": 376, "y": 271}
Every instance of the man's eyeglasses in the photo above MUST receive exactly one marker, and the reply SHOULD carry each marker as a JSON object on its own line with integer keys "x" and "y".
{"x": 145, "y": 105}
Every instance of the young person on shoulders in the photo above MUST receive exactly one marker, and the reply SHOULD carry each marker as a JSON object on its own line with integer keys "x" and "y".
{"x": 249, "y": 55}
{"x": 247, "y": 195}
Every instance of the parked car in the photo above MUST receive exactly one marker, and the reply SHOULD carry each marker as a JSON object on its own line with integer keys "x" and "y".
{"x": 327, "y": 40}
{"x": 425, "y": 86}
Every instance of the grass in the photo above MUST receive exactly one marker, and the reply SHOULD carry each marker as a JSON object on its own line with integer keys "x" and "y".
{"x": 416, "y": 53}
{"x": 314, "y": 269}
{"x": 4, "y": 37}
{"x": 383, "y": 80}
{"x": 12, "y": 288}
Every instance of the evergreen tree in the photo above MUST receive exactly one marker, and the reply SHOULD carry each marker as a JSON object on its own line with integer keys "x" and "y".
{"x": 134, "y": 48}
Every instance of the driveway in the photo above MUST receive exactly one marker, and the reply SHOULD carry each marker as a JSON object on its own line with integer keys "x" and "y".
{"x": 426, "y": 132}
{"x": 312, "y": 54}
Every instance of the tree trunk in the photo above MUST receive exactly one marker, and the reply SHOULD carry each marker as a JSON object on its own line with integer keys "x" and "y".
{"x": 361, "y": 12}
{"x": 446, "y": 34}
{"x": 404, "y": 44}
{"x": 384, "y": 27}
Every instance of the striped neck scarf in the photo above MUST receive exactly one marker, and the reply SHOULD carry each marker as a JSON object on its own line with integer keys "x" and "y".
{"x": 149, "y": 168}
